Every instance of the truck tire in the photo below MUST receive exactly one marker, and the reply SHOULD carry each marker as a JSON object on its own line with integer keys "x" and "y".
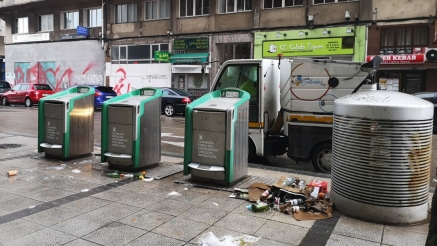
{"x": 252, "y": 151}
{"x": 322, "y": 158}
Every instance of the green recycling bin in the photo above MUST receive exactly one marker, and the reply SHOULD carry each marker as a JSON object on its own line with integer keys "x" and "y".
{"x": 131, "y": 130}
{"x": 216, "y": 137}
{"x": 66, "y": 123}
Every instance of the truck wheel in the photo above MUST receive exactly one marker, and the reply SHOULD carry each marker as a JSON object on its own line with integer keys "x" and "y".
{"x": 252, "y": 151}
{"x": 322, "y": 158}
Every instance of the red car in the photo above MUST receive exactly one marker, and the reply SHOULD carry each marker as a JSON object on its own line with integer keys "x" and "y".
{"x": 27, "y": 94}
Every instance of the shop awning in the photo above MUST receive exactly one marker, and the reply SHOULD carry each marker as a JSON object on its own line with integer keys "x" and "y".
{"x": 189, "y": 58}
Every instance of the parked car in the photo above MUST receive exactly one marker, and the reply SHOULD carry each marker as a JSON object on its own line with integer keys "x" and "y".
{"x": 430, "y": 97}
{"x": 101, "y": 94}
{"x": 174, "y": 101}
{"x": 27, "y": 94}
{"x": 4, "y": 87}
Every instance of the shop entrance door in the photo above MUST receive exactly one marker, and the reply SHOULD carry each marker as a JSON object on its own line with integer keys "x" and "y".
{"x": 414, "y": 82}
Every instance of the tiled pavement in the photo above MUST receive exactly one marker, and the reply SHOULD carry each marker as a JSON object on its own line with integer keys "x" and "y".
{"x": 49, "y": 204}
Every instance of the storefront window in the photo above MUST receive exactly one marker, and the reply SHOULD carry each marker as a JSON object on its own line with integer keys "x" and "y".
{"x": 135, "y": 54}
{"x": 233, "y": 51}
{"x": 402, "y": 40}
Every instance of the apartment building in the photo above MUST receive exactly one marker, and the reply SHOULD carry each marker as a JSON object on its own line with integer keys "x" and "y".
{"x": 181, "y": 43}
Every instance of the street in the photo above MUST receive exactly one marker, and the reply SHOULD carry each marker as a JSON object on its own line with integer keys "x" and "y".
{"x": 19, "y": 120}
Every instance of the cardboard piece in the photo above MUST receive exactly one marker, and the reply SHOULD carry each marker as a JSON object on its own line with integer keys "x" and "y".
{"x": 259, "y": 186}
{"x": 255, "y": 194}
{"x": 301, "y": 215}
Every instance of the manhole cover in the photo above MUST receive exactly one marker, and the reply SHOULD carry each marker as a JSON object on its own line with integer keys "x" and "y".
{"x": 10, "y": 146}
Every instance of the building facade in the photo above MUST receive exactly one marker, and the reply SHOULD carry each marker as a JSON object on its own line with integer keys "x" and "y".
{"x": 181, "y": 43}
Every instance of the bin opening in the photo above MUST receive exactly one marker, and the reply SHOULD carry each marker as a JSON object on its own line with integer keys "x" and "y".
{"x": 50, "y": 146}
{"x": 206, "y": 167}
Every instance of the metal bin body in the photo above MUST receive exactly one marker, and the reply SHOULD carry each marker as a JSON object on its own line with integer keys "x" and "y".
{"x": 131, "y": 130}
{"x": 216, "y": 137}
{"x": 66, "y": 123}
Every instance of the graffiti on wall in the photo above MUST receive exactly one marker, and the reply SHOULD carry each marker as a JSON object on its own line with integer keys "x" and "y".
{"x": 57, "y": 77}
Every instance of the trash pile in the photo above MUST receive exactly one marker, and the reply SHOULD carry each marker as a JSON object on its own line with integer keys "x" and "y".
{"x": 116, "y": 174}
{"x": 291, "y": 196}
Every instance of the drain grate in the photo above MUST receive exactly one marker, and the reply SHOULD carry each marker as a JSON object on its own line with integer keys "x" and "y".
{"x": 247, "y": 181}
{"x": 10, "y": 146}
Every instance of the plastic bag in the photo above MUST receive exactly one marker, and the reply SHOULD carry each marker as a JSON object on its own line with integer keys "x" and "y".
{"x": 209, "y": 239}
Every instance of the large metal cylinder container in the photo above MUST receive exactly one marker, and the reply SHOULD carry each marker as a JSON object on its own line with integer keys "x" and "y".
{"x": 381, "y": 151}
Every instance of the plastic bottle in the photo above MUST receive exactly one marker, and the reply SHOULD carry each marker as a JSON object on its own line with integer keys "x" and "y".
{"x": 299, "y": 208}
{"x": 302, "y": 184}
{"x": 288, "y": 181}
{"x": 295, "y": 202}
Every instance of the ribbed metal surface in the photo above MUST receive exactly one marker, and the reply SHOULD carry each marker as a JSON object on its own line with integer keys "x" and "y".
{"x": 385, "y": 163}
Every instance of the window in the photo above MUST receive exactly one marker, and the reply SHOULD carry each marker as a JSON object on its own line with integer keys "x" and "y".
{"x": 45, "y": 23}
{"x": 22, "y": 25}
{"x": 126, "y": 13}
{"x": 193, "y": 7}
{"x": 135, "y": 54}
{"x": 332, "y": 1}
{"x": 402, "y": 40}
{"x": 94, "y": 17}
{"x": 231, "y": 6}
{"x": 71, "y": 20}
{"x": 157, "y": 9}
{"x": 270, "y": 4}
{"x": 233, "y": 51}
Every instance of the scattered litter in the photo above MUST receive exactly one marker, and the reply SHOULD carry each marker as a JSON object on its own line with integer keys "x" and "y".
{"x": 76, "y": 171}
{"x": 215, "y": 203}
{"x": 63, "y": 165}
{"x": 128, "y": 175}
{"x": 46, "y": 177}
{"x": 32, "y": 206}
{"x": 8, "y": 154}
{"x": 85, "y": 190}
{"x": 103, "y": 164}
{"x": 35, "y": 151}
{"x": 185, "y": 188}
{"x": 209, "y": 239}
{"x": 70, "y": 177}
{"x": 174, "y": 193}
{"x": 148, "y": 180}
{"x": 12, "y": 173}
{"x": 55, "y": 168}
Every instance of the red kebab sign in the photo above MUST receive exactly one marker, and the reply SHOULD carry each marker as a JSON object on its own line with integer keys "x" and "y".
{"x": 400, "y": 59}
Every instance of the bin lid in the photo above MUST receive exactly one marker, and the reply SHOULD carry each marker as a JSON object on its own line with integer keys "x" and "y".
{"x": 218, "y": 104}
{"x": 134, "y": 100}
{"x": 384, "y": 105}
{"x": 65, "y": 98}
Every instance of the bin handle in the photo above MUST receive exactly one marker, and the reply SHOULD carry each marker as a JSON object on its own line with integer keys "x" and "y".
{"x": 138, "y": 109}
{"x": 230, "y": 119}
{"x": 67, "y": 106}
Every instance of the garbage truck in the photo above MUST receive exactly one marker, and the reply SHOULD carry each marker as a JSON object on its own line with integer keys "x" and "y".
{"x": 292, "y": 102}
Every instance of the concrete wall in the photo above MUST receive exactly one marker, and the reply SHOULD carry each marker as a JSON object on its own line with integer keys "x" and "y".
{"x": 397, "y": 9}
{"x": 332, "y": 13}
{"x": 75, "y": 62}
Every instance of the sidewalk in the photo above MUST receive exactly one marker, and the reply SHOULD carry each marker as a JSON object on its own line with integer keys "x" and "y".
{"x": 49, "y": 204}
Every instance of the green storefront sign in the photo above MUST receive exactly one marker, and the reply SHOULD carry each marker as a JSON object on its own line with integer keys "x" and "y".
{"x": 162, "y": 56}
{"x": 306, "y": 47}
{"x": 190, "y": 43}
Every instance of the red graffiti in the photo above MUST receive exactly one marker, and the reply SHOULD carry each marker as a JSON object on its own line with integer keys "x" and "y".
{"x": 37, "y": 74}
{"x": 120, "y": 83}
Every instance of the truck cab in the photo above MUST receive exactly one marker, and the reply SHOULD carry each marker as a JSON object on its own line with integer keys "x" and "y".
{"x": 292, "y": 102}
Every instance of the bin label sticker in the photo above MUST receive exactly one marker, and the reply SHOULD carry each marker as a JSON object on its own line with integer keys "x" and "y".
{"x": 118, "y": 139}
{"x": 51, "y": 132}
{"x": 206, "y": 148}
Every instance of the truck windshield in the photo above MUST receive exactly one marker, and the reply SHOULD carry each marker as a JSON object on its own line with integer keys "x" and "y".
{"x": 244, "y": 76}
